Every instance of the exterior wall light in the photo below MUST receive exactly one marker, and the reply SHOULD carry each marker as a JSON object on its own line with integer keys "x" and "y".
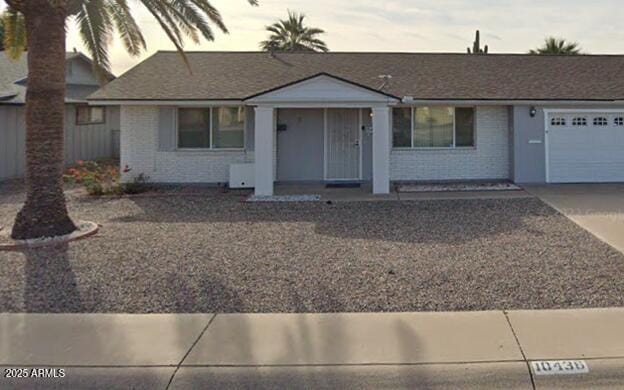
{"x": 532, "y": 111}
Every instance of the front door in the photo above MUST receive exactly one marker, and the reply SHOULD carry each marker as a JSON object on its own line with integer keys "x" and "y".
{"x": 342, "y": 144}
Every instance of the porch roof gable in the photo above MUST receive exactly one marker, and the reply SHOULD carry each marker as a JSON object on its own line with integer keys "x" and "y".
{"x": 323, "y": 88}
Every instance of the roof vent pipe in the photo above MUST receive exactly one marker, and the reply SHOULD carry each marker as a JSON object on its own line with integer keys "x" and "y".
{"x": 386, "y": 80}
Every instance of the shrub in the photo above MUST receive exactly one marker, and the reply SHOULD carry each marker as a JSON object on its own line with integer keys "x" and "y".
{"x": 138, "y": 185}
{"x": 103, "y": 179}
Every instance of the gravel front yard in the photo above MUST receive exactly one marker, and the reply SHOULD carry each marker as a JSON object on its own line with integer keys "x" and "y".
{"x": 215, "y": 253}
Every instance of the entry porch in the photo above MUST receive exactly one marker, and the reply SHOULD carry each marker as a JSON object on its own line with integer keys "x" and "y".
{"x": 322, "y": 130}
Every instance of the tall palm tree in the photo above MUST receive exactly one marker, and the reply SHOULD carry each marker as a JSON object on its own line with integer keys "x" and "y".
{"x": 44, "y": 212}
{"x": 554, "y": 45}
{"x": 291, "y": 35}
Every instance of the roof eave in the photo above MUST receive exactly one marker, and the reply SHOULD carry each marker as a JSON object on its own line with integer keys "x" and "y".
{"x": 163, "y": 102}
{"x": 519, "y": 101}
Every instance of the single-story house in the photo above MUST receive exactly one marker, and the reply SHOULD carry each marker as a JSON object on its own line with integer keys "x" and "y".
{"x": 378, "y": 117}
{"x": 91, "y": 132}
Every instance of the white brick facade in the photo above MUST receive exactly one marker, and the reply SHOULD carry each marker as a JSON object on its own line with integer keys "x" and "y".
{"x": 488, "y": 160}
{"x": 139, "y": 150}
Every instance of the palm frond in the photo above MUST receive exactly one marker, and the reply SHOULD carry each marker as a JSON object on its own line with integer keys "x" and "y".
{"x": 127, "y": 27}
{"x": 14, "y": 33}
{"x": 276, "y": 29}
{"x": 168, "y": 26}
{"x": 191, "y": 20}
{"x": 557, "y": 46}
{"x": 179, "y": 19}
{"x": 212, "y": 13}
{"x": 1, "y": 32}
{"x": 313, "y": 31}
{"x": 186, "y": 18}
{"x": 182, "y": 14}
{"x": 162, "y": 15}
{"x": 96, "y": 28}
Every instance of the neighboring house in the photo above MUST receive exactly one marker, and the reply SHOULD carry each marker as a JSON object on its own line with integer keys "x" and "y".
{"x": 379, "y": 117}
{"x": 91, "y": 132}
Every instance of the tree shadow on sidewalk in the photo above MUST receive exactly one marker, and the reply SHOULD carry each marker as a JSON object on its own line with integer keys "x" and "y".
{"x": 312, "y": 352}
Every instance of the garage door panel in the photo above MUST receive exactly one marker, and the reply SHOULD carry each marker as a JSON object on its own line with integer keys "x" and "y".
{"x": 585, "y": 153}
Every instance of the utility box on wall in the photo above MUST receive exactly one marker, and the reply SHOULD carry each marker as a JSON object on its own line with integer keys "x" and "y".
{"x": 242, "y": 176}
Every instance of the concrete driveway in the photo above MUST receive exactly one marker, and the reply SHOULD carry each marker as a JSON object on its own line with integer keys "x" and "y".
{"x": 598, "y": 208}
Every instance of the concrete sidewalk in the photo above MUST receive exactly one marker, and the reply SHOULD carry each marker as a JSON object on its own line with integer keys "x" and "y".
{"x": 368, "y": 350}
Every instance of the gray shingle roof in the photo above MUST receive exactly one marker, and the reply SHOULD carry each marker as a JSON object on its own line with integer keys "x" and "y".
{"x": 238, "y": 75}
{"x": 10, "y": 72}
{"x": 13, "y": 83}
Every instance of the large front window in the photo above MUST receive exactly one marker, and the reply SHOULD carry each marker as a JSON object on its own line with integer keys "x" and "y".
{"x": 211, "y": 128}
{"x": 433, "y": 127}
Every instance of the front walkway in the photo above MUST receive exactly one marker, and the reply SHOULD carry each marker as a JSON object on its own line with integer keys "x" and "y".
{"x": 598, "y": 208}
{"x": 491, "y": 349}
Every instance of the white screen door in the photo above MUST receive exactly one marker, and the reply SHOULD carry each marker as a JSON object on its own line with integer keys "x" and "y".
{"x": 342, "y": 144}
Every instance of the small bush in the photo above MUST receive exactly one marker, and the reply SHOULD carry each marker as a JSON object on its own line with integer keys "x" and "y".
{"x": 138, "y": 185}
{"x": 103, "y": 179}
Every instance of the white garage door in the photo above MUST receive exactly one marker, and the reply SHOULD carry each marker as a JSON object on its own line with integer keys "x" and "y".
{"x": 585, "y": 147}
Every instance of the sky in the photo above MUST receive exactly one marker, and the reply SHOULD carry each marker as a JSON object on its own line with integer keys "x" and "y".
{"x": 507, "y": 26}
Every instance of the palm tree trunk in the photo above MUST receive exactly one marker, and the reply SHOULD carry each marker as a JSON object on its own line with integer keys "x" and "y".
{"x": 44, "y": 213}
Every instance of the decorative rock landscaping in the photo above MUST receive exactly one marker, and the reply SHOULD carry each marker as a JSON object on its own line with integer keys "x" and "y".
{"x": 444, "y": 187}
{"x": 217, "y": 254}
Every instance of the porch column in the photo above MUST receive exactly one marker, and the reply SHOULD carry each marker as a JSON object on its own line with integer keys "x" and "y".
{"x": 263, "y": 154}
{"x": 381, "y": 150}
